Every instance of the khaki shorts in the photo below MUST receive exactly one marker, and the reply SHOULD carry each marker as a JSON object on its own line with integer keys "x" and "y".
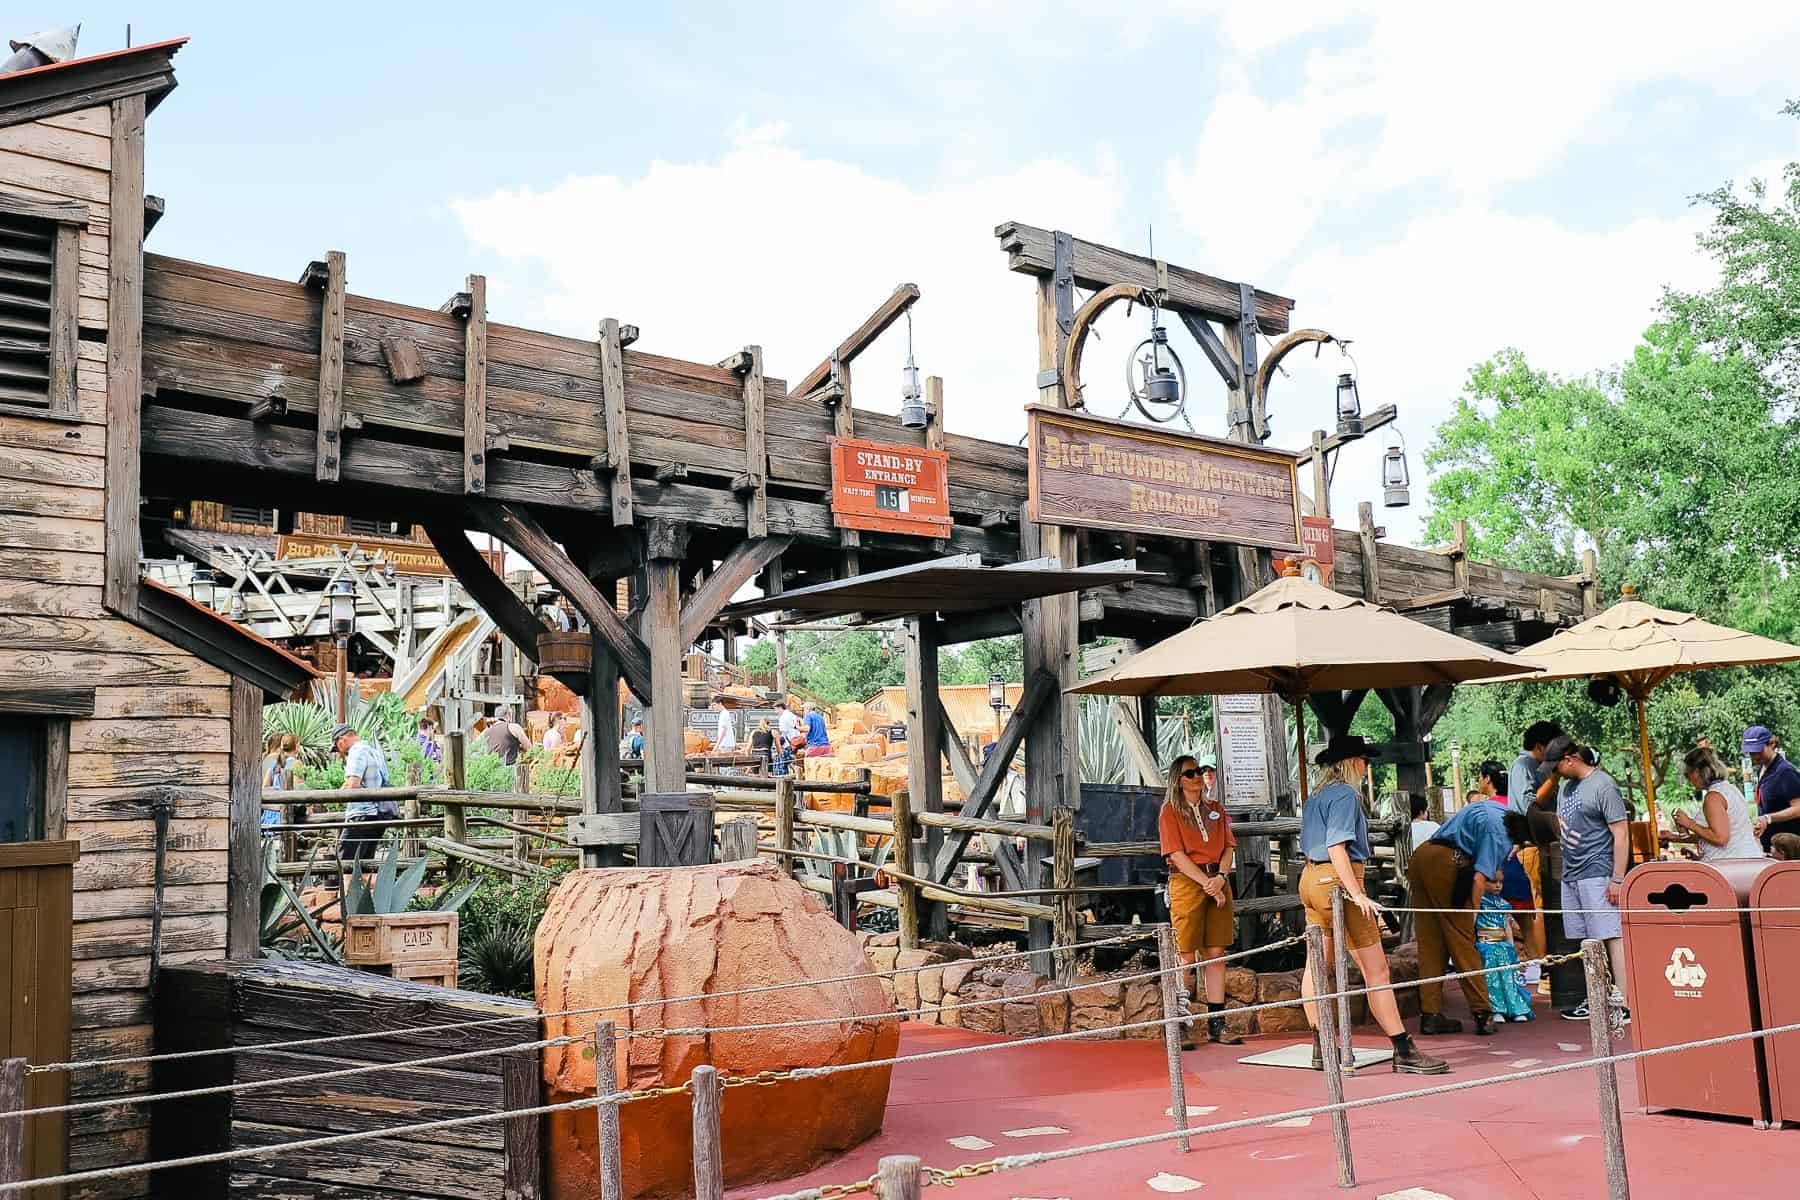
{"x": 1199, "y": 920}
{"x": 1317, "y": 883}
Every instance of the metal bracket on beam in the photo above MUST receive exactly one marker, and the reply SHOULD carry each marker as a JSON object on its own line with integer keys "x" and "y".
{"x": 1049, "y": 377}
{"x": 1063, "y": 279}
{"x": 459, "y": 306}
{"x": 671, "y": 472}
{"x": 737, "y": 363}
{"x": 314, "y": 277}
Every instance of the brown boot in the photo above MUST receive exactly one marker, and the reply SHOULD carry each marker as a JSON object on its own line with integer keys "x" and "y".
{"x": 1215, "y": 1028}
{"x": 1410, "y": 1060}
{"x": 1430, "y": 1023}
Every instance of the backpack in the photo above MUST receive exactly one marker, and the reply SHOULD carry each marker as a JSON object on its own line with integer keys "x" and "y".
{"x": 625, "y": 746}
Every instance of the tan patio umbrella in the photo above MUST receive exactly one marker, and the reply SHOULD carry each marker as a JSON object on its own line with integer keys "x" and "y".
{"x": 1294, "y": 638}
{"x": 1641, "y": 645}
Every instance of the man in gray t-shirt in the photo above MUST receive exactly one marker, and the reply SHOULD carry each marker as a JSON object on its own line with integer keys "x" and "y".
{"x": 1596, "y": 850}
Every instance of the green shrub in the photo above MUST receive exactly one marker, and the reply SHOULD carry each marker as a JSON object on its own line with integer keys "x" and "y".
{"x": 499, "y": 959}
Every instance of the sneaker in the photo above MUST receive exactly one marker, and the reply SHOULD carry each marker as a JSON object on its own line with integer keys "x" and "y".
{"x": 1578, "y": 1013}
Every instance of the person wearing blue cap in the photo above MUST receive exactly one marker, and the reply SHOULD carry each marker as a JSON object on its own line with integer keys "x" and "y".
{"x": 1777, "y": 788}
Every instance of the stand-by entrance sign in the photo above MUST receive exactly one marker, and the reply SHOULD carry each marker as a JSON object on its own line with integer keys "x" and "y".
{"x": 889, "y": 488}
{"x": 1103, "y": 474}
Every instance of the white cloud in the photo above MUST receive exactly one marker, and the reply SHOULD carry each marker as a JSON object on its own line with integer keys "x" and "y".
{"x": 769, "y": 245}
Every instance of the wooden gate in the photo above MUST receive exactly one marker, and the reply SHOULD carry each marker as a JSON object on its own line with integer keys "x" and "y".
{"x": 37, "y": 897}
{"x": 676, "y": 829}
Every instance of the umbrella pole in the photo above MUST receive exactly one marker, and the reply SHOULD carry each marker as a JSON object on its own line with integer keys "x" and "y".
{"x": 1649, "y": 774}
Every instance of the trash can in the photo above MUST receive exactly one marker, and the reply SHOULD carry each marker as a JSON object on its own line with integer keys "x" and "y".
{"x": 1776, "y": 937}
{"x": 1691, "y": 976}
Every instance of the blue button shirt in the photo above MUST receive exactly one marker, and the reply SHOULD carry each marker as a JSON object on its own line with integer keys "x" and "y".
{"x": 1479, "y": 831}
{"x": 1776, "y": 790}
{"x": 1334, "y": 816}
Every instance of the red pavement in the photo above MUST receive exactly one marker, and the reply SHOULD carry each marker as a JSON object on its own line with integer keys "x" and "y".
{"x": 1531, "y": 1139}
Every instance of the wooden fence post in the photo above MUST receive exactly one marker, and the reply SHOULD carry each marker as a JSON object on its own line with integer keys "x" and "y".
{"x": 1168, "y": 962}
{"x": 1340, "y": 945}
{"x": 903, "y": 862}
{"x": 785, "y": 796}
{"x": 290, "y": 815}
{"x": 409, "y": 811}
{"x": 12, "y": 1129}
{"x": 1328, "y": 1052}
{"x": 606, "y": 1081}
{"x": 456, "y": 827}
{"x": 1062, "y": 877}
{"x": 709, "y": 1164}
{"x": 898, "y": 1178}
{"x": 737, "y": 839}
{"x": 522, "y": 1087}
{"x": 1612, "y": 1132}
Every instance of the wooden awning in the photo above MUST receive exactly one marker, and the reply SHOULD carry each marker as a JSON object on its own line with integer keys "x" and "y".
{"x": 958, "y": 584}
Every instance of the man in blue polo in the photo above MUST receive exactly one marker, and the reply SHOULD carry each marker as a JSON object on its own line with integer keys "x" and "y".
{"x": 1777, "y": 788}
{"x": 1451, "y": 873}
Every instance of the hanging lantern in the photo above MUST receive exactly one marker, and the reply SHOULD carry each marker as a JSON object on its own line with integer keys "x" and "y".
{"x": 238, "y": 609}
{"x": 996, "y": 691}
{"x": 1395, "y": 482}
{"x": 202, "y": 586}
{"x": 1349, "y": 404}
{"x": 1155, "y": 377}
{"x": 343, "y": 608}
{"x": 913, "y": 414}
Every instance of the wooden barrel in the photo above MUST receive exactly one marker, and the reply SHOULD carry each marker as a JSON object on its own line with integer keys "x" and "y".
{"x": 565, "y": 652}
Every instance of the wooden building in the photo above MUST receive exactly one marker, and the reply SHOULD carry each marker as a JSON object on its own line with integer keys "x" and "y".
{"x": 125, "y": 700}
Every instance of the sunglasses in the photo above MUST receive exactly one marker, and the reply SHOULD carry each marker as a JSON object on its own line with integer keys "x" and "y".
{"x": 1191, "y": 773}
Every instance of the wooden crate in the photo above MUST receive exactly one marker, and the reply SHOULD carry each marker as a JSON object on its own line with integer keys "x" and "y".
{"x": 441, "y": 972}
{"x": 388, "y": 939}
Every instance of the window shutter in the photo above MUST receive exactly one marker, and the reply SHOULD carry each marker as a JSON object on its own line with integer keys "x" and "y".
{"x": 27, "y": 267}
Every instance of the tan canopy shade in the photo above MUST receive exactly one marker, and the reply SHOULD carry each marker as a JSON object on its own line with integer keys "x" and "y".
{"x": 1642, "y": 645}
{"x": 1294, "y": 638}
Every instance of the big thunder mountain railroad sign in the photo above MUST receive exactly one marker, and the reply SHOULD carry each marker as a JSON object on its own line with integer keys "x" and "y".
{"x": 890, "y": 488}
{"x": 1103, "y": 474}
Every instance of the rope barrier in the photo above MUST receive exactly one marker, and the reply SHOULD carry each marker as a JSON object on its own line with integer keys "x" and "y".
{"x": 1018, "y": 1161}
{"x": 489, "y": 1022}
{"x": 697, "y": 1030}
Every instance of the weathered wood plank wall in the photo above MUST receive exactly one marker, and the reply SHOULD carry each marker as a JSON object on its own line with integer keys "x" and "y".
{"x": 160, "y": 715}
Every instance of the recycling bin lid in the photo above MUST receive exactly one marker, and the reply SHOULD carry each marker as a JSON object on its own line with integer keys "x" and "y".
{"x": 1692, "y": 893}
{"x": 1778, "y": 887}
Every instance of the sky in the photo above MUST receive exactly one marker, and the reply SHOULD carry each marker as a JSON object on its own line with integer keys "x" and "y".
{"x": 1434, "y": 182}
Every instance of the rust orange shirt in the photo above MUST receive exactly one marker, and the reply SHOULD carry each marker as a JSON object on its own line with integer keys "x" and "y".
{"x": 1175, "y": 833}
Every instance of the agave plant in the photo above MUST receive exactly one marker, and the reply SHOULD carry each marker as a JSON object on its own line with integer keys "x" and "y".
{"x": 842, "y": 843}
{"x": 1103, "y": 755}
{"x": 396, "y": 891}
{"x": 284, "y": 914}
{"x": 500, "y": 959}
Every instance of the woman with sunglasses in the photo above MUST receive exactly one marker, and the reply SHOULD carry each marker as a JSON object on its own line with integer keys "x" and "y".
{"x": 1198, "y": 845}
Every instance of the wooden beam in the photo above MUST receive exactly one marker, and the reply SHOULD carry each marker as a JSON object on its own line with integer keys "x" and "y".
{"x": 55, "y": 701}
{"x": 1371, "y": 551}
{"x": 1142, "y": 755}
{"x": 756, "y": 445}
{"x": 65, "y": 321}
{"x": 125, "y": 358}
{"x": 510, "y": 614}
{"x": 665, "y": 761}
{"x": 934, "y": 412}
{"x": 889, "y": 311}
{"x": 924, "y": 769}
{"x": 475, "y": 434}
{"x": 1031, "y": 251}
{"x": 404, "y": 363}
{"x": 1211, "y": 346}
{"x": 1039, "y": 689}
{"x": 734, "y": 571}
{"x": 618, "y": 437}
{"x": 520, "y": 530}
{"x": 329, "y": 450}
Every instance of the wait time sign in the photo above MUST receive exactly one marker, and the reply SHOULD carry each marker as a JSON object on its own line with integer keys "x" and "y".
{"x": 1103, "y": 474}
{"x": 890, "y": 488}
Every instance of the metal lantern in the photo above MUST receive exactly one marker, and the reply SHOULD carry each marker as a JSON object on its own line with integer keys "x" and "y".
{"x": 1395, "y": 489}
{"x": 343, "y": 608}
{"x": 1155, "y": 377}
{"x": 202, "y": 586}
{"x": 1349, "y": 404}
{"x": 996, "y": 691}
{"x": 913, "y": 414}
{"x": 238, "y": 608}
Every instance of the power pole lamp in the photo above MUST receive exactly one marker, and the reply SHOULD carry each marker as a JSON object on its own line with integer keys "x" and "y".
{"x": 996, "y": 698}
{"x": 343, "y": 624}
{"x": 203, "y": 586}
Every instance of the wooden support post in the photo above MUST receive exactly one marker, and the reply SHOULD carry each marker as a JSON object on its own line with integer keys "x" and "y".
{"x": 618, "y": 439}
{"x": 843, "y": 422}
{"x": 606, "y": 1082}
{"x": 665, "y": 760}
{"x": 756, "y": 447}
{"x": 329, "y": 446}
{"x": 924, "y": 770}
{"x": 1168, "y": 962}
{"x": 934, "y": 412}
{"x": 785, "y": 797}
{"x": 522, "y": 1087}
{"x": 12, "y": 1129}
{"x": 1062, "y": 877}
{"x": 1340, "y": 953}
{"x": 1371, "y": 547}
{"x": 456, "y": 828}
{"x": 737, "y": 840}
{"x": 1321, "y": 478}
{"x": 1328, "y": 1052}
{"x": 475, "y": 437}
{"x": 1606, "y": 1077}
{"x": 907, "y": 891}
{"x": 898, "y": 1177}
{"x": 709, "y": 1162}
{"x": 409, "y": 811}
{"x": 125, "y": 360}
{"x": 243, "y": 895}
{"x": 601, "y": 787}
{"x": 1590, "y": 579}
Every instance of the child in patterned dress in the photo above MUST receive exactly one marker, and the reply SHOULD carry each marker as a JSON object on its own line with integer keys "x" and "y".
{"x": 1506, "y": 989}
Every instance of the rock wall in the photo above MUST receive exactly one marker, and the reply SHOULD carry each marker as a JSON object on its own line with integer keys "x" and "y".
{"x": 1006, "y": 1004}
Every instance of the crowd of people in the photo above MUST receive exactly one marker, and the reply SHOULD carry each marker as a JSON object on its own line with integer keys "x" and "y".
{"x": 1537, "y": 858}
